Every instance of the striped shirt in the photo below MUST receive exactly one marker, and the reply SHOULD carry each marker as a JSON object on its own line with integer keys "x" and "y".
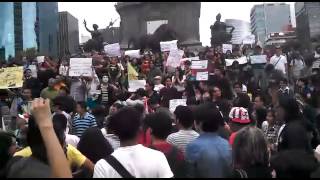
{"x": 104, "y": 94}
{"x": 80, "y": 124}
{"x": 182, "y": 138}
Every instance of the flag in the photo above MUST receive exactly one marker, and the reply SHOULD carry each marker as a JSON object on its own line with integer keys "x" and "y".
{"x": 132, "y": 73}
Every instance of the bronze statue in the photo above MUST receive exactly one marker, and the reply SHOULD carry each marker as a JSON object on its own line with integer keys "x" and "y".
{"x": 219, "y": 34}
{"x": 97, "y": 38}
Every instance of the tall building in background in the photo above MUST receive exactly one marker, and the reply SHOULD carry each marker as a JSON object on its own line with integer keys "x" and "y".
{"x": 26, "y": 25}
{"x": 308, "y": 22}
{"x": 269, "y": 18}
{"x": 48, "y": 18}
{"x": 242, "y": 30}
{"x": 68, "y": 34}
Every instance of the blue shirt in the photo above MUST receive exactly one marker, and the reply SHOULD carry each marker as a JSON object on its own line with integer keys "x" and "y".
{"x": 209, "y": 156}
{"x": 80, "y": 124}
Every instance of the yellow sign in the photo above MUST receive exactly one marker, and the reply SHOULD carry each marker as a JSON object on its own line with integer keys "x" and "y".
{"x": 11, "y": 77}
{"x": 132, "y": 73}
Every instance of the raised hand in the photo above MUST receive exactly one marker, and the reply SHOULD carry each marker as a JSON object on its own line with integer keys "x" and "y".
{"x": 84, "y": 22}
{"x": 41, "y": 112}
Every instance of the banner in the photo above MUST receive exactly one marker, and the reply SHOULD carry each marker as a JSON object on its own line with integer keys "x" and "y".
{"x": 136, "y": 84}
{"x": 132, "y": 73}
{"x": 168, "y": 45}
{"x": 226, "y": 47}
{"x": 133, "y": 53}
{"x": 174, "y": 103}
{"x": 11, "y": 77}
{"x": 80, "y": 67}
{"x": 250, "y": 39}
{"x": 174, "y": 58}
{"x": 33, "y": 69}
{"x": 258, "y": 59}
{"x": 112, "y": 50}
{"x": 241, "y": 60}
{"x": 40, "y": 59}
{"x": 202, "y": 76}
{"x": 201, "y": 64}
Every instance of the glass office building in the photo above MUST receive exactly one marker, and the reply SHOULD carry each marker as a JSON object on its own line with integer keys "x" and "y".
{"x": 26, "y": 25}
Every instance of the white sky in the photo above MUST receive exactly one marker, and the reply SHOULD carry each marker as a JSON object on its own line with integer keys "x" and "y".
{"x": 102, "y": 12}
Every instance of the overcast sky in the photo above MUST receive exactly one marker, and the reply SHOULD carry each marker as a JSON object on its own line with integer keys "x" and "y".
{"x": 102, "y": 12}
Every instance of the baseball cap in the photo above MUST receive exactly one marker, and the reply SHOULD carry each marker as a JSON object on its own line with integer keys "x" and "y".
{"x": 239, "y": 115}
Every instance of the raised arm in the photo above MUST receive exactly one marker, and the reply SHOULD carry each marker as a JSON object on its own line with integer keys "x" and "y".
{"x": 85, "y": 25}
{"x": 56, "y": 157}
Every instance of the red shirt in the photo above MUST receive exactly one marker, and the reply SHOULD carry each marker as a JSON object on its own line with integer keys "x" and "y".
{"x": 232, "y": 137}
{"x": 144, "y": 138}
{"x": 166, "y": 148}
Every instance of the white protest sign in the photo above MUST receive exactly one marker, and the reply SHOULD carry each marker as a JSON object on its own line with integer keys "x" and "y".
{"x": 133, "y": 53}
{"x": 80, "y": 67}
{"x": 202, "y": 76}
{"x": 136, "y": 84}
{"x": 34, "y": 71}
{"x": 168, "y": 45}
{"x": 174, "y": 103}
{"x": 241, "y": 60}
{"x": 63, "y": 70}
{"x": 112, "y": 50}
{"x": 40, "y": 59}
{"x": 174, "y": 58}
{"x": 201, "y": 64}
{"x": 258, "y": 59}
{"x": 226, "y": 47}
{"x": 250, "y": 39}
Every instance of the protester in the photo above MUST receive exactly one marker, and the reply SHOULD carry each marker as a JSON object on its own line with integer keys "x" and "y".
{"x": 83, "y": 120}
{"x": 279, "y": 61}
{"x": 239, "y": 118}
{"x": 137, "y": 160}
{"x": 185, "y": 135}
{"x": 8, "y": 147}
{"x": 209, "y": 155}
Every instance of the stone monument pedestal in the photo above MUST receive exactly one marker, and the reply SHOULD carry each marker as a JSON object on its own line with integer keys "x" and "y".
{"x": 182, "y": 17}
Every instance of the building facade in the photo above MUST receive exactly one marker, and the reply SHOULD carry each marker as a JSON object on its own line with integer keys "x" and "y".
{"x": 68, "y": 34}
{"x": 308, "y": 23}
{"x": 141, "y": 18}
{"x": 269, "y": 18}
{"x": 24, "y": 25}
{"x": 242, "y": 30}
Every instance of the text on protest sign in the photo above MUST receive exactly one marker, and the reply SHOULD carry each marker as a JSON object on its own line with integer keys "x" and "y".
{"x": 258, "y": 59}
{"x": 63, "y": 70}
{"x": 201, "y": 64}
{"x": 80, "y": 67}
{"x": 33, "y": 69}
{"x": 40, "y": 59}
{"x": 136, "y": 84}
{"x": 226, "y": 47}
{"x": 11, "y": 77}
{"x": 112, "y": 50}
{"x": 202, "y": 76}
{"x": 174, "y": 103}
{"x": 168, "y": 45}
{"x": 133, "y": 53}
{"x": 174, "y": 58}
{"x": 241, "y": 60}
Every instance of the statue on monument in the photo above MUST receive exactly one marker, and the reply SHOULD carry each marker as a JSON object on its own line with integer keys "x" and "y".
{"x": 219, "y": 34}
{"x": 97, "y": 38}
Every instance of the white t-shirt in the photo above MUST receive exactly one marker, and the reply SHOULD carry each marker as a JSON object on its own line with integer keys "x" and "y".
{"x": 139, "y": 161}
{"x": 72, "y": 140}
{"x": 281, "y": 65}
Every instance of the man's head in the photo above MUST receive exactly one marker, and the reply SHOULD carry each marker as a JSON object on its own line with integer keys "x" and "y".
{"x": 208, "y": 118}
{"x": 51, "y": 82}
{"x": 184, "y": 117}
{"x": 27, "y": 93}
{"x": 160, "y": 124}
{"x": 239, "y": 118}
{"x": 105, "y": 79}
{"x": 187, "y": 65}
{"x": 95, "y": 26}
{"x": 215, "y": 92}
{"x": 278, "y": 51}
{"x": 149, "y": 86}
{"x": 125, "y": 124}
{"x": 168, "y": 81}
{"x": 28, "y": 73}
{"x": 157, "y": 80}
{"x": 259, "y": 102}
{"x": 237, "y": 87}
{"x": 81, "y": 107}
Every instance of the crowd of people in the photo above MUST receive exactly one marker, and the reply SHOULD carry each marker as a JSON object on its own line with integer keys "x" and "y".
{"x": 246, "y": 120}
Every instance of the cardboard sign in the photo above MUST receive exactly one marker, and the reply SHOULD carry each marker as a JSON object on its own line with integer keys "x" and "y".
{"x": 34, "y": 70}
{"x": 168, "y": 45}
{"x": 11, "y": 77}
{"x": 202, "y": 76}
{"x": 174, "y": 103}
{"x": 63, "y": 70}
{"x": 174, "y": 58}
{"x": 226, "y": 47}
{"x": 80, "y": 67}
{"x": 250, "y": 39}
{"x": 136, "y": 84}
{"x": 112, "y": 50}
{"x": 201, "y": 64}
{"x": 133, "y": 53}
{"x": 40, "y": 59}
{"x": 241, "y": 60}
{"x": 258, "y": 59}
